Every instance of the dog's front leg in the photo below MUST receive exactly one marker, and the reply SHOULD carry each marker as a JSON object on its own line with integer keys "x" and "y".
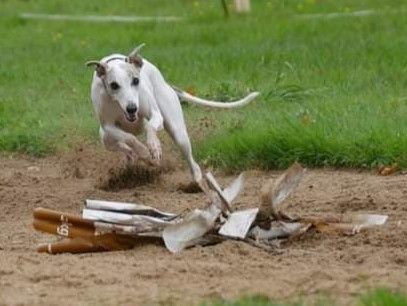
{"x": 153, "y": 143}
{"x": 115, "y": 139}
{"x": 152, "y": 126}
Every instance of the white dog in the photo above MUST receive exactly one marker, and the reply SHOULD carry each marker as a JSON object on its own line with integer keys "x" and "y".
{"x": 130, "y": 95}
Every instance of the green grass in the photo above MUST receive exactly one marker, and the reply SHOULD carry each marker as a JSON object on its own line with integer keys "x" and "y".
{"x": 334, "y": 92}
{"x": 384, "y": 297}
{"x": 378, "y": 297}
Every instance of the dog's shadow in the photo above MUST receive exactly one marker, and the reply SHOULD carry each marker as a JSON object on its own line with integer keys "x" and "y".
{"x": 128, "y": 176}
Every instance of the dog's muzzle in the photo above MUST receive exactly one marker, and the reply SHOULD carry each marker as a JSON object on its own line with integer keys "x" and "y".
{"x": 131, "y": 118}
{"x": 131, "y": 112}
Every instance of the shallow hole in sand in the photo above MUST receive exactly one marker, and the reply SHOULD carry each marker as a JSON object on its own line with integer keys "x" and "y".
{"x": 128, "y": 176}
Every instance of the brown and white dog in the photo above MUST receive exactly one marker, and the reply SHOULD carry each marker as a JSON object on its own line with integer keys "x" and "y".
{"x": 129, "y": 95}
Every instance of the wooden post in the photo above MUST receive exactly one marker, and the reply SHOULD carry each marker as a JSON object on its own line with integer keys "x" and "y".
{"x": 242, "y": 6}
{"x": 225, "y": 8}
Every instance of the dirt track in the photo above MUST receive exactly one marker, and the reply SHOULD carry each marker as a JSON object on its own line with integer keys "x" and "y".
{"x": 314, "y": 265}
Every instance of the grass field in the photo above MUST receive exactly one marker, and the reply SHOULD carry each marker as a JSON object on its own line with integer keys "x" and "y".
{"x": 379, "y": 297}
{"x": 334, "y": 91}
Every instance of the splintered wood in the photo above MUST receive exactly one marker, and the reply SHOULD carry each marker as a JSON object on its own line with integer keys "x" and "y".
{"x": 109, "y": 226}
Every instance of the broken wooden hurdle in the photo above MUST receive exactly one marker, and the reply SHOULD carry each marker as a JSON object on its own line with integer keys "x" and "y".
{"x": 110, "y": 226}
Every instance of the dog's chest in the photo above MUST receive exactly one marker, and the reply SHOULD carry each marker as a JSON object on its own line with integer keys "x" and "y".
{"x": 130, "y": 127}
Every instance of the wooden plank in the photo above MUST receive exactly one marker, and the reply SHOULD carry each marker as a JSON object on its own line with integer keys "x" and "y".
{"x": 128, "y": 208}
{"x": 239, "y": 223}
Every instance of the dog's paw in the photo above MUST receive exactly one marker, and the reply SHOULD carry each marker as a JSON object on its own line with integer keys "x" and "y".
{"x": 154, "y": 162}
{"x": 131, "y": 159}
{"x": 155, "y": 150}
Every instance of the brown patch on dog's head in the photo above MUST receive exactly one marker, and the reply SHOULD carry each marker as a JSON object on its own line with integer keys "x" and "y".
{"x": 136, "y": 60}
{"x": 99, "y": 67}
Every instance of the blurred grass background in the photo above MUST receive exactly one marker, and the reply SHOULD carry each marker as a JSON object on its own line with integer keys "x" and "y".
{"x": 333, "y": 89}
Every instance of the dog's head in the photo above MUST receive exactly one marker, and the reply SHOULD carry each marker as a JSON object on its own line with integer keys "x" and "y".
{"x": 121, "y": 80}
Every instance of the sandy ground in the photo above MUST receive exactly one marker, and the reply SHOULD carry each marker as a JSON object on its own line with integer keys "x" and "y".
{"x": 315, "y": 265}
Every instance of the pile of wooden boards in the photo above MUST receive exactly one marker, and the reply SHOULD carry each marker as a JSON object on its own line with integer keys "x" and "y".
{"x": 108, "y": 226}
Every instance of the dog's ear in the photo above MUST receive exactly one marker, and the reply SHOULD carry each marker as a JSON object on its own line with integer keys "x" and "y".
{"x": 136, "y": 50}
{"x": 99, "y": 68}
{"x": 135, "y": 58}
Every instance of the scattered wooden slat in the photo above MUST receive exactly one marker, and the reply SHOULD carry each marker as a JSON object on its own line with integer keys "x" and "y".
{"x": 64, "y": 229}
{"x": 191, "y": 229}
{"x": 215, "y": 186}
{"x": 278, "y": 229}
{"x": 58, "y": 216}
{"x": 273, "y": 193}
{"x": 352, "y": 224}
{"x": 73, "y": 246}
{"x": 239, "y": 223}
{"x": 122, "y": 218}
{"x": 128, "y": 208}
{"x": 232, "y": 191}
{"x": 108, "y": 226}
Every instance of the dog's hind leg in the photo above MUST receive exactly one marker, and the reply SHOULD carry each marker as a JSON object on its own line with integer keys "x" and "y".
{"x": 180, "y": 136}
{"x": 174, "y": 124}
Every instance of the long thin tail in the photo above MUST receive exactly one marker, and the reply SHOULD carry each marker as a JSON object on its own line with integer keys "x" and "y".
{"x": 182, "y": 95}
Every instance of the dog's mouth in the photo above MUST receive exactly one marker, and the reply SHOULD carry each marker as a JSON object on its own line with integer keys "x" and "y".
{"x": 130, "y": 117}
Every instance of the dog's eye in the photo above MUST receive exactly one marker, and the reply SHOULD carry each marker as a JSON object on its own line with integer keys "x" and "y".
{"x": 114, "y": 86}
{"x": 135, "y": 81}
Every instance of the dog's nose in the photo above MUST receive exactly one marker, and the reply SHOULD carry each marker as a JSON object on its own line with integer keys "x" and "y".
{"x": 131, "y": 108}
